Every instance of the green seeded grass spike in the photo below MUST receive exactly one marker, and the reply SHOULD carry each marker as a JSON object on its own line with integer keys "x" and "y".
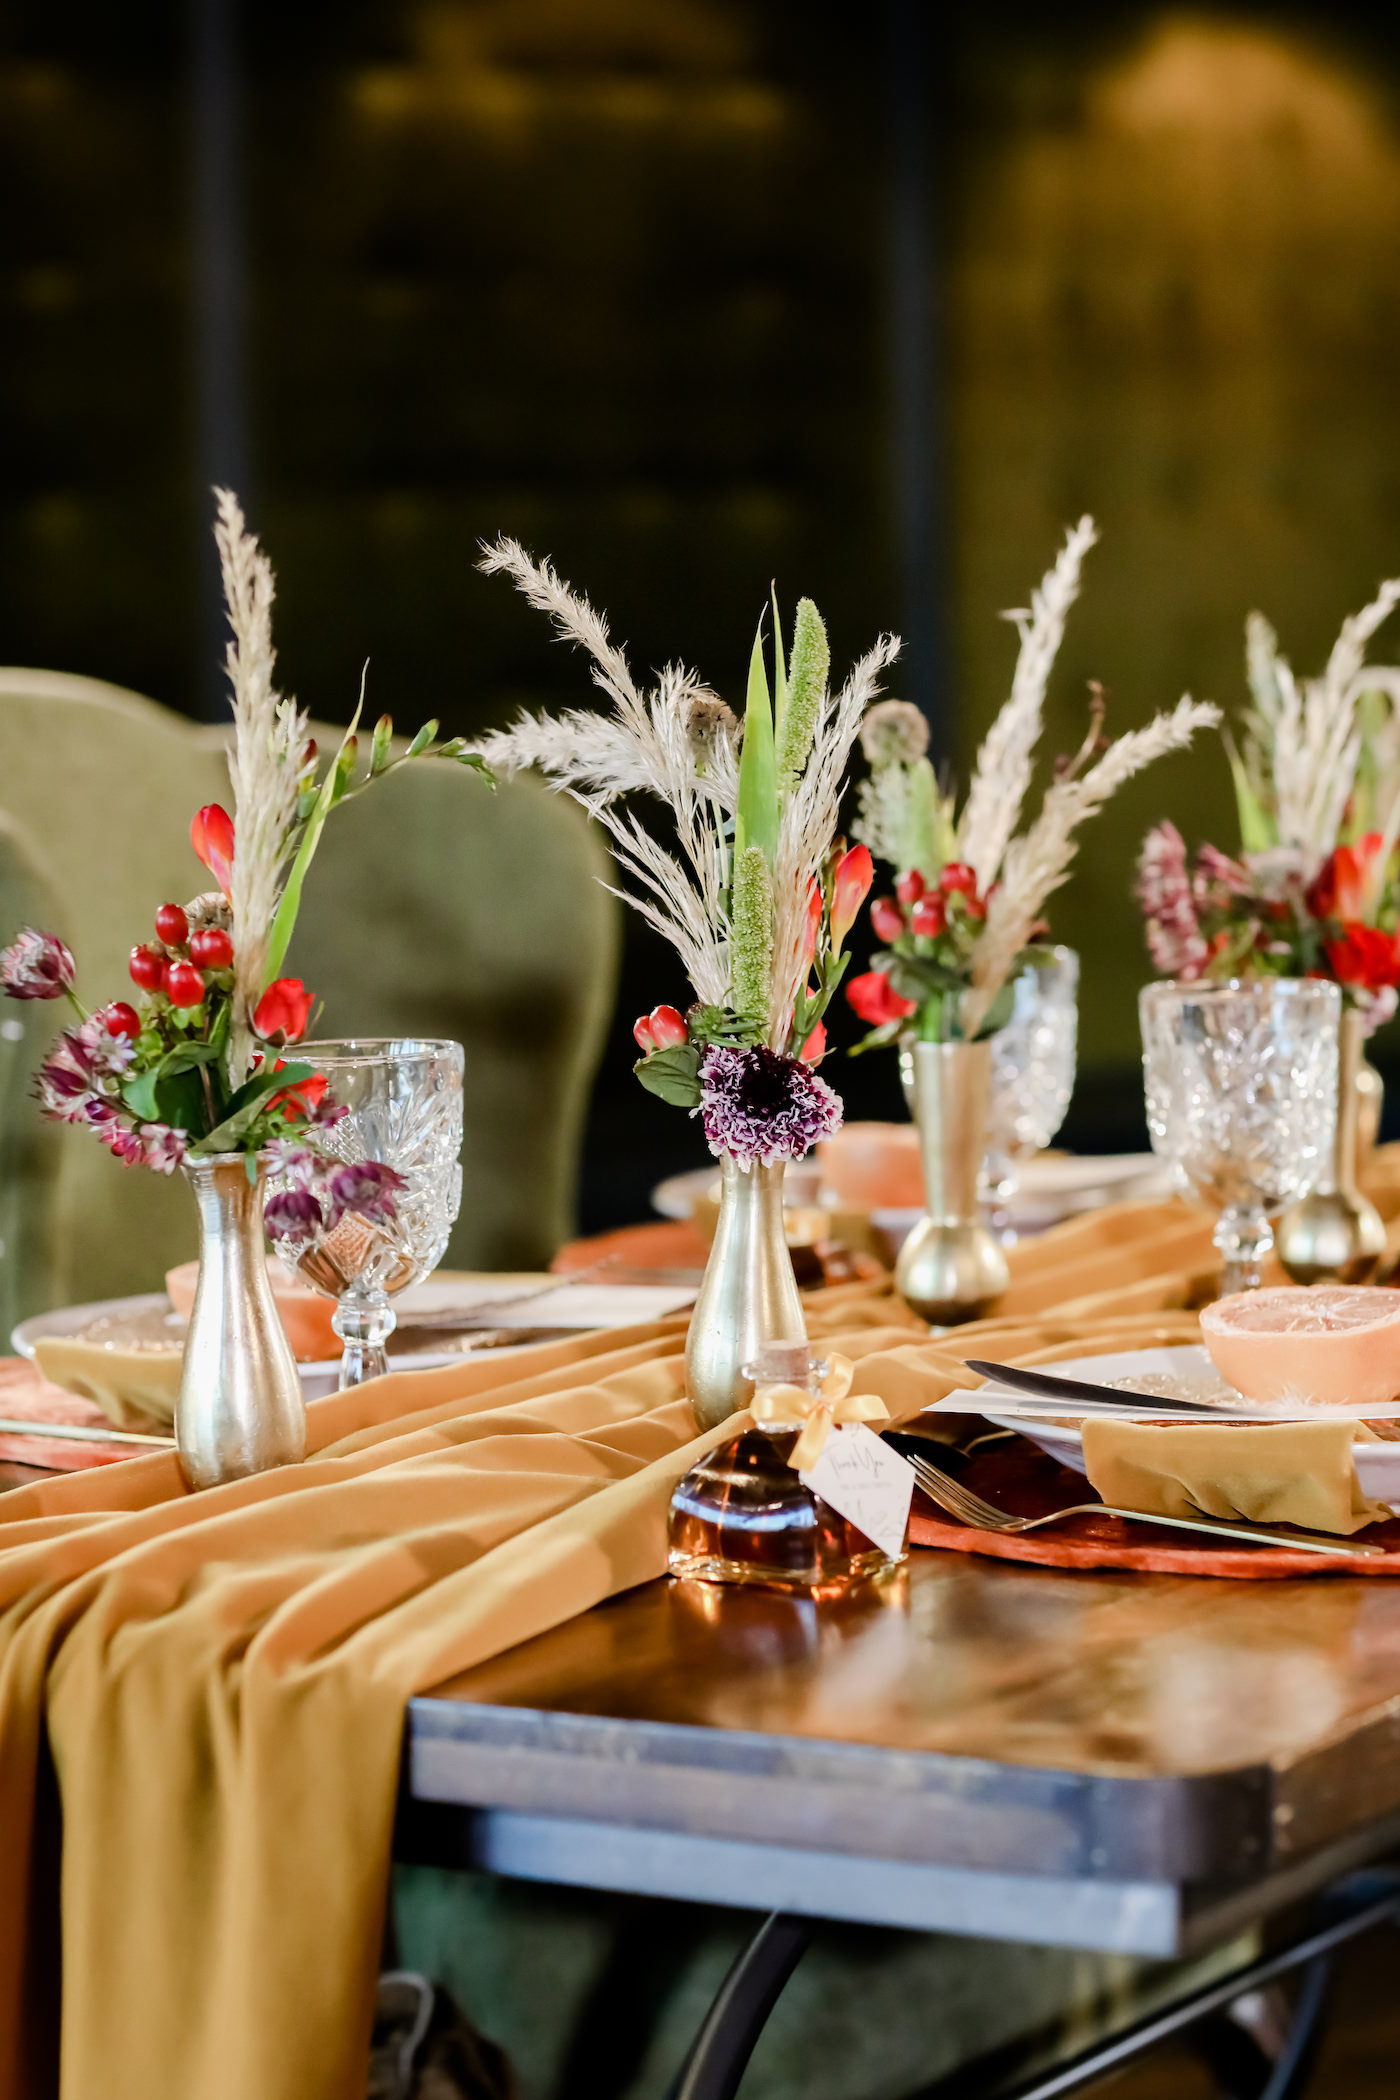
{"x": 807, "y": 674}
{"x": 780, "y": 684}
{"x": 756, "y": 819}
{"x": 751, "y": 937}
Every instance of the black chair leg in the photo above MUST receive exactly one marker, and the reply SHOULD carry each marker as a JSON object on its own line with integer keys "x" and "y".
{"x": 733, "y": 2024}
{"x": 1245, "y": 2070}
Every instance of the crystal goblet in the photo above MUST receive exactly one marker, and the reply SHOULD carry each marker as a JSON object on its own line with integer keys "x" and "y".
{"x": 403, "y": 1103}
{"x": 1033, "y": 1060}
{"x": 1241, "y": 1084}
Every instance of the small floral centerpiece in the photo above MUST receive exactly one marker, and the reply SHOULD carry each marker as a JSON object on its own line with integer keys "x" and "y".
{"x": 190, "y": 1073}
{"x": 757, "y": 895}
{"x": 1312, "y": 890}
{"x": 966, "y": 914}
{"x": 192, "y": 1065}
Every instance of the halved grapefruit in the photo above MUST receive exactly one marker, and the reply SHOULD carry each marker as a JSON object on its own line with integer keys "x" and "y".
{"x": 1326, "y": 1345}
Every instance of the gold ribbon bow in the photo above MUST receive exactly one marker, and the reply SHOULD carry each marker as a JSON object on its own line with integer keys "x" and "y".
{"x": 815, "y": 1412}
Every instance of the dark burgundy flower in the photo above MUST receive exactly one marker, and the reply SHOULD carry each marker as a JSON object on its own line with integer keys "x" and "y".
{"x": 365, "y": 1186}
{"x": 37, "y": 966}
{"x": 761, "y": 1107}
{"x": 292, "y": 1214}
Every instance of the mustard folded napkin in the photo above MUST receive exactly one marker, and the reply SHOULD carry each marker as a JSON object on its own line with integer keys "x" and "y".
{"x": 1300, "y": 1473}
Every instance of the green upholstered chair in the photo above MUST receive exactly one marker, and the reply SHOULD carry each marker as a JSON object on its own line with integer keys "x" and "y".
{"x": 434, "y": 907}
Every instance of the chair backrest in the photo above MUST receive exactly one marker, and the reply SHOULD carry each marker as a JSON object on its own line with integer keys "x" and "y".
{"x": 434, "y": 908}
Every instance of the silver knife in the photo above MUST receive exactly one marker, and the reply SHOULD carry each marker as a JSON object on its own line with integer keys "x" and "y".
{"x": 1039, "y": 1385}
{"x": 76, "y": 1433}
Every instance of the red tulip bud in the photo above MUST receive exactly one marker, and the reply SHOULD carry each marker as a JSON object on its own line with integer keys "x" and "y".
{"x": 283, "y": 1011}
{"x": 211, "y": 835}
{"x": 814, "y": 1049}
{"x": 849, "y": 891}
{"x": 811, "y": 932}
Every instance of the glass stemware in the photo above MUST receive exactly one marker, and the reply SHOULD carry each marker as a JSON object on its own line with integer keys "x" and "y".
{"x": 1033, "y": 1059}
{"x": 1241, "y": 1084}
{"x": 403, "y": 1103}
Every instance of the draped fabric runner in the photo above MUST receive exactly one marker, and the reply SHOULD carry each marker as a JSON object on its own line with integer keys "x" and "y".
{"x": 220, "y": 1679}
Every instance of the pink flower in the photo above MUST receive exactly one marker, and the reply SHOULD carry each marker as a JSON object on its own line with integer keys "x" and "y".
{"x": 365, "y": 1186}
{"x": 36, "y": 966}
{"x": 849, "y": 890}
{"x": 1174, "y": 937}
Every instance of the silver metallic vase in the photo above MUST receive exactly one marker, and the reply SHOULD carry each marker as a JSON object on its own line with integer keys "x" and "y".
{"x": 749, "y": 1295}
{"x": 950, "y": 1266}
{"x": 1335, "y": 1235}
{"x": 240, "y": 1408}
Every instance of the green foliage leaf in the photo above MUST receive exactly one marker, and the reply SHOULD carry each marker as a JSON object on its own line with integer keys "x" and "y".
{"x": 247, "y": 1104}
{"x": 289, "y": 904}
{"x": 780, "y": 682}
{"x": 426, "y": 735}
{"x": 1258, "y": 831}
{"x": 673, "y": 1074}
{"x": 887, "y": 1032}
{"x": 756, "y": 819}
{"x": 380, "y": 745}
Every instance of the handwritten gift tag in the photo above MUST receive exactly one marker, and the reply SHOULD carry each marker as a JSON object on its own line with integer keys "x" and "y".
{"x": 867, "y": 1483}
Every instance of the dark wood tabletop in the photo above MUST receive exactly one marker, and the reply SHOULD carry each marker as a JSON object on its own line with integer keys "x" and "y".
{"x": 1137, "y": 1761}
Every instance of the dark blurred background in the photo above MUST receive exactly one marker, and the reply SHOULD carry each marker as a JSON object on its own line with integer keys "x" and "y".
{"x": 692, "y": 294}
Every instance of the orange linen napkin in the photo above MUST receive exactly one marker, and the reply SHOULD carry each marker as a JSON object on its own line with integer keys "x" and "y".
{"x": 222, "y": 1677}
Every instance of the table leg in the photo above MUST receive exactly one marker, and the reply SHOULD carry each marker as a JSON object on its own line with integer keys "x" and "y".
{"x": 721, "y": 2050}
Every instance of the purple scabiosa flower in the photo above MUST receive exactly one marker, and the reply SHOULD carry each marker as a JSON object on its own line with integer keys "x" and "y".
{"x": 36, "y": 966}
{"x": 292, "y": 1214}
{"x": 763, "y": 1107}
{"x": 365, "y": 1186}
{"x": 1174, "y": 938}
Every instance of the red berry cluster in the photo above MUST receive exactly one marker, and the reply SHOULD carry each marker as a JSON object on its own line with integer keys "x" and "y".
{"x": 918, "y": 909}
{"x": 175, "y": 968}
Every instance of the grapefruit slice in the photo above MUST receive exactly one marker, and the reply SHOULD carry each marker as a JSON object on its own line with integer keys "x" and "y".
{"x": 306, "y": 1315}
{"x": 1326, "y": 1345}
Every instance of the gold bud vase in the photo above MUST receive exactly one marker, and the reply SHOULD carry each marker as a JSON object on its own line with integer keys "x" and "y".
{"x": 950, "y": 1267}
{"x": 749, "y": 1296}
{"x": 241, "y": 1407}
{"x": 1335, "y": 1235}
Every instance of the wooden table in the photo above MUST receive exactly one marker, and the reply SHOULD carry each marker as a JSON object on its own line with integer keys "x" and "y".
{"x": 1137, "y": 1763}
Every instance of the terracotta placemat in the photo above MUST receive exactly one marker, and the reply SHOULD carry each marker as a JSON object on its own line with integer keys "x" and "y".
{"x": 1024, "y": 1481}
{"x": 29, "y": 1398}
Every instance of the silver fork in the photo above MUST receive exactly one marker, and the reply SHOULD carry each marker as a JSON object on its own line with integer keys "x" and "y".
{"x": 970, "y": 1509}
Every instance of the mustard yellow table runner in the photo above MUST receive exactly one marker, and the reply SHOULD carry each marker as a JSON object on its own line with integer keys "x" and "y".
{"x": 221, "y": 1679}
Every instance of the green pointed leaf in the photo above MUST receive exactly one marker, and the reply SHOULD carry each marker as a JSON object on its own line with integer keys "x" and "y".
{"x": 672, "y": 1074}
{"x": 756, "y": 820}
{"x": 780, "y": 681}
{"x": 426, "y": 735}
{"x": 1257, "y": 829}
{"x": 248, "y": 1103}
{"x": 289, "y": 904}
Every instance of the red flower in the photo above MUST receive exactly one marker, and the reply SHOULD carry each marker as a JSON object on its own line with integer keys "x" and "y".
{"x": 910, "y": 887}
{"x": 283, "y": 1011}
{"x": 814, "y": 1049}
{"x": 930, "y": 915}
{"x": 1339, "y": 889}
{"x": 662, "y": 1029}
{"x": 875, "y": 999}
{"x": 211, "y": 835}
{"x": 957, "y": 875}
{"x": 811, "y": 932}
{"x": 849, "y": 891}
{"x": 887, "y": 919}
{"x": 1365, "y": 956}
{"x": 301, "y": 1100}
